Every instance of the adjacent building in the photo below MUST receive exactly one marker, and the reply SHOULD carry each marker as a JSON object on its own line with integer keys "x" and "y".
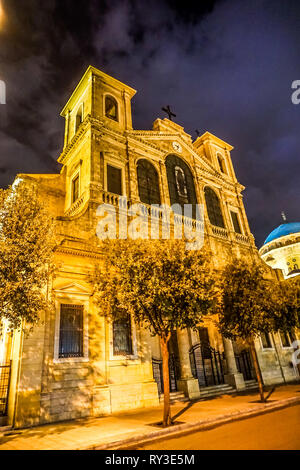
{"x": 281, "y": 249}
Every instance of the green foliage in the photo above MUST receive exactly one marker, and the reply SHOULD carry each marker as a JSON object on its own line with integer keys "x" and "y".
{"x": 160, "y": 283}
{"x": 246, "y": 301}
{"x": 25, "y": 253}
{"x": 252, "y": 303}
{"x": 287, "y": 313}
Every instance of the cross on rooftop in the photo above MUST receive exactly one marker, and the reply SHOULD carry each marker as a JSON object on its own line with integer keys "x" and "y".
{"x": 169, "y": 112}
{"x": 283, "y": 216}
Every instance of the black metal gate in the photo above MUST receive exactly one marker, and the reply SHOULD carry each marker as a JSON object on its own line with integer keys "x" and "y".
{"x": 207, "y": 365}
{"x": 244, "y": 364}
{"x": 158, "y": 373}
{"x": 4, "y": 387}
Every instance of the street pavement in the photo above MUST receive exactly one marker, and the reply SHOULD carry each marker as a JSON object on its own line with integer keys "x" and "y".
{"x": 277, "y": 430}
{"x": 139, "y": 427}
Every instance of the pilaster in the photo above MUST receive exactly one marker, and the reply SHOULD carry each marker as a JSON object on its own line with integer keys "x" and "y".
{"x": 187, "y": 383}
{"x": 233, "y": 377}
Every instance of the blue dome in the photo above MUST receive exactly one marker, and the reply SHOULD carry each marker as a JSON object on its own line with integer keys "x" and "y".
{"x": 282, "y": 230}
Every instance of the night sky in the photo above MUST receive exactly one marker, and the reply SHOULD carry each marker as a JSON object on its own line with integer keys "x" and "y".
{"x": 223, "y": 66}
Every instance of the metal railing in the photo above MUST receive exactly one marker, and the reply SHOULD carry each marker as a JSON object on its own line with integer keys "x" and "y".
{"x": 207, "y": 365}
{"x": 244, "y": 364}
{"x": 173, "y": 373}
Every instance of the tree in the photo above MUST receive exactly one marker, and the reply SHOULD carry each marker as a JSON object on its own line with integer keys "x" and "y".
{"x": 252, "y": 303}
{"x": 161, "y": 285}
{"x": 287, "y": 315}
{"x": 246, "y": 305}
{"x": 25, "y": 254}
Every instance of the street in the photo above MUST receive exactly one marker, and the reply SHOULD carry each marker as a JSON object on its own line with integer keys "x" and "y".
{"x": 278, "y": 430}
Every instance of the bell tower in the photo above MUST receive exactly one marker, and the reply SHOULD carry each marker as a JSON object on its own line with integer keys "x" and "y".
{"x": 97, "y": 117}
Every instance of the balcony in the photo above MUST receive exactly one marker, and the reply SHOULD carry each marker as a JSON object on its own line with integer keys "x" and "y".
{"x": 220, "y": 232}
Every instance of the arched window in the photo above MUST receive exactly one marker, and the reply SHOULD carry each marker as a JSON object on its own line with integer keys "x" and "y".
{"x": 79, "y": 118}
{"x": 222, "y": 164}
{"x": 213, "y": 208}
{"x": 148, "y": 182}
{"x": 180, "y": 182}
{"x": 111, "y": 108}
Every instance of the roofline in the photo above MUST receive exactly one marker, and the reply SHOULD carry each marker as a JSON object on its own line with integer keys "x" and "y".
{"x": 94, "y": 71}
{"x": 209, "y": 136}
{"x": 277, "y": 238}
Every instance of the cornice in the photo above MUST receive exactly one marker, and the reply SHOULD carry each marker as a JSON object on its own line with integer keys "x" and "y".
{"x": 79, "y": 252}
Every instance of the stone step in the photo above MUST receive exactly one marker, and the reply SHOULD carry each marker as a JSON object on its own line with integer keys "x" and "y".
{"x": 174, "y": 397}
{"x": 216, "y": 390}
{"x": 3, "y": 421}
{"x": 251, "y": 384}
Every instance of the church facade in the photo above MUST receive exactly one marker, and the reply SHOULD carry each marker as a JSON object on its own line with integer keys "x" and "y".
{"x": 75, "y": 363}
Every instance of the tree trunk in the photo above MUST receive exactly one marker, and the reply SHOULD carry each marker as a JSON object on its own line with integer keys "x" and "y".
{"x": 166, "y": 380}
{"x": 296, "y": 346}
{"x": 278, "y": 358}
{"x": 257, "y": 370}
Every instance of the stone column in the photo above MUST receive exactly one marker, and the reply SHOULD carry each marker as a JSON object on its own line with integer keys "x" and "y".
{"x": 233, "y": 377}
{"x": 187, "y": 383}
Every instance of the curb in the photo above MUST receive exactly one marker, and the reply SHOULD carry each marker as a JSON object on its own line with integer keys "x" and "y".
{"x": 187, "y": 428}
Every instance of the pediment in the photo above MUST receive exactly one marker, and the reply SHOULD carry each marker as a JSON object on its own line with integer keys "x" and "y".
{"x": 72, "y": 288}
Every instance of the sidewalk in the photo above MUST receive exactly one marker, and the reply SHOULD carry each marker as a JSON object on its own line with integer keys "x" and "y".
{"x": 128, "y": 429}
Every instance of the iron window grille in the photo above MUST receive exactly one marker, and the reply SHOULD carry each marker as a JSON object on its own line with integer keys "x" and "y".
{"x": 71, "y": 331}
{"x": 122, "y": 337}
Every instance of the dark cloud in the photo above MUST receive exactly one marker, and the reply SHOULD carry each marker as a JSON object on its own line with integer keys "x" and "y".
{"x": 224, "y": 66}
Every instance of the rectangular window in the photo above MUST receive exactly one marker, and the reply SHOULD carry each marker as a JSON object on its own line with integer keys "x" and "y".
{"x": 285, "y": 339}
{"x": 122, "y": 340}
{"x": 71, "y": 331}
{"x": 114, "y": 180}
{"x": 75, "y": 188}
{"x": 266, "y": 340}
{"x": 235, "y": 222}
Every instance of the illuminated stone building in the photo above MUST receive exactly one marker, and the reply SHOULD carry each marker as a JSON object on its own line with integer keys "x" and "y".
{"x": 75, "y": 363}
